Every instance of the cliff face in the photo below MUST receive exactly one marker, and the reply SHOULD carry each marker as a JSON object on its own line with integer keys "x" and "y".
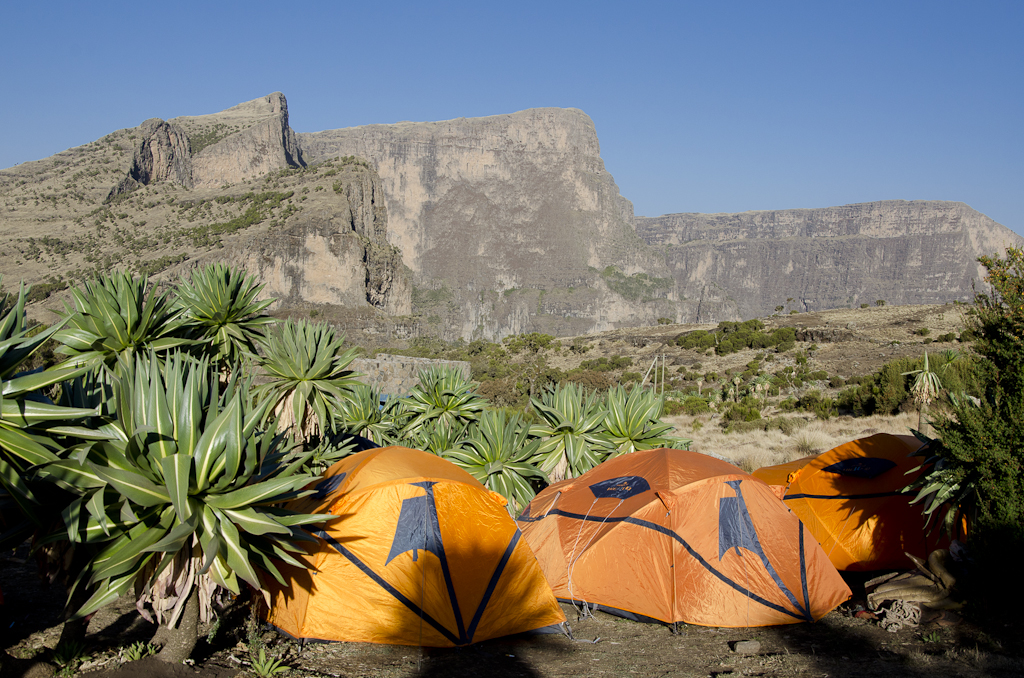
{"x": 334, "y": 252}
{"x": 478, "y": 228}
{"x": 231, "y": 186}
{"x": 209, "y": 151}
{"x": 732, "y": 266}
{"x": 256, "y": 140}
{"x": 493, "y": 214}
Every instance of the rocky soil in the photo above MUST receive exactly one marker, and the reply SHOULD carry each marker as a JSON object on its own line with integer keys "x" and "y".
{"x": 839, "y": 645}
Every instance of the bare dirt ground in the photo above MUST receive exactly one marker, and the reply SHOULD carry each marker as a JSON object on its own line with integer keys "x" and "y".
{"x": 840, "y": 645}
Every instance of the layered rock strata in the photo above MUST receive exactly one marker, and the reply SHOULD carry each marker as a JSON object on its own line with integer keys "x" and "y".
{"x": 731, "y": 266}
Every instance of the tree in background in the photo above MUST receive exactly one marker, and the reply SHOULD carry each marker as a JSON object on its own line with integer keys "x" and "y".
{"x": 980, "y": 463}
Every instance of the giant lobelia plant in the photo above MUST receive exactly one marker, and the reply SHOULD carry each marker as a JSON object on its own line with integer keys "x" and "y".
{"x": 221, "y": 312}
{"x": 574, "y": 440}
{"x": 308, "y": 379}
{"x": 443, "y": 397}
{"x": 634, "y": 422}
{"x": 498, "y": 451}
{"x": 30, "y": 425}
{"x": 363, "y": 414}
{"x": 184, "y": 498}
{"x": 113, "y": 318}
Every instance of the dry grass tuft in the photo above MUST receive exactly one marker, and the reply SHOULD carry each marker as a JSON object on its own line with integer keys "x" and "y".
{"x": 751, "y": 450}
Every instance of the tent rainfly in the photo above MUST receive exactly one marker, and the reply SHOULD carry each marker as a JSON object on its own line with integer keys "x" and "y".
{"x": 671, "y": 535}
{"x": 420, "y": 553}
{"x": 851, "y": 500}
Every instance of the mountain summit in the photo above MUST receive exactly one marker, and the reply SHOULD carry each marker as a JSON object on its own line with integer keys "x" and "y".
{"x": 467, "y": 228}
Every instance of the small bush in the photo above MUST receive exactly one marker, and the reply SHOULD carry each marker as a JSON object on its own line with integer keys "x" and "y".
{"x": 787, "y": 425}
{"x": 740, "y": 412}
{"x": 694, "y": 406}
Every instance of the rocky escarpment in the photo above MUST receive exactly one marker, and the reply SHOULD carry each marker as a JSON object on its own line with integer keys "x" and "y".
{"x": 732, "y": 266}
{"x": 478, "y": 228}
{"x": 244, "y": 142}
{"x": 506, "y": 221}
{"x": 334, "y": 252}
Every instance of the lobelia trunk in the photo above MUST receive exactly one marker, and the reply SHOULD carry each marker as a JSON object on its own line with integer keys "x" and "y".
{"x": 179, "y": 642}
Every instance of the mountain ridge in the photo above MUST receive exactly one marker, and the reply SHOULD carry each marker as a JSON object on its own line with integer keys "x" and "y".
{"x": 479, "y": 227}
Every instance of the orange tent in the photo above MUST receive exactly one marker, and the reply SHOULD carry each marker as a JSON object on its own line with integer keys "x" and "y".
{"x": 421, "y": 554}
{"x": 850, "y": 500}
{"x": 671, "y": 536}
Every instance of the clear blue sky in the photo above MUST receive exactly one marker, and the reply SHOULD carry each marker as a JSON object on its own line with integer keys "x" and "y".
{"x": 700, "y": 106}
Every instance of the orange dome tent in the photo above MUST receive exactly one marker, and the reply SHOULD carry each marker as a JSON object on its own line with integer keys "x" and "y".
{"x": 421, "y": 554}
{"x": 670, "y": 535}
{"x": 851, "y": 501}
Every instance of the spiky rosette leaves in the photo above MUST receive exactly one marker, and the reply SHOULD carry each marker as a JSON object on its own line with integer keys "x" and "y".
{"x": 307, "y": 377}
{"x": 117, "y": 316}
{"x": 443, "y": 397}
{"x": 498, "y": 451}
{"x": 188, "y": 472}
{"x": 634, "y": 422}
{"x": 26, "y": 416}
{"x": 364, "y": 414}
{"x": 573, "y": 431}
{"x": 220, "y": 310}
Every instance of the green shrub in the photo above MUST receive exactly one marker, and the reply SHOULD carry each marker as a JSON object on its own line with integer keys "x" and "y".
{"x": 982, "y": 447}
{"x": 741, "y": 412}
{"x": 787, "y": 425}
{"x": 695, "y": 405}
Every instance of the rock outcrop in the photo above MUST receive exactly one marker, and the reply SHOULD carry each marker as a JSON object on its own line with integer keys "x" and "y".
{"x": 733, "y": 266}
{"x": 208, "y": 151}
{"x": 335, "y": 252}
{"x": 257, "y": 140}
{"x": 163, "y": 154}
{"x": 494, "y": 214}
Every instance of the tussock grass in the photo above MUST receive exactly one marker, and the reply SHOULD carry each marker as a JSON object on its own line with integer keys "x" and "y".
{"x": 751, "y": 450}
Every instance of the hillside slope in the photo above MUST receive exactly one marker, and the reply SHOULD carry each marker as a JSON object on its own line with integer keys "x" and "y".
{"x": 468, "y": 228}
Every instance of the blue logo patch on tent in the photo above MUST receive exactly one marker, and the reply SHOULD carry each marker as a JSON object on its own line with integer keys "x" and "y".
{"x": 620, "y": 488}
{"x": 861, "y": 467}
